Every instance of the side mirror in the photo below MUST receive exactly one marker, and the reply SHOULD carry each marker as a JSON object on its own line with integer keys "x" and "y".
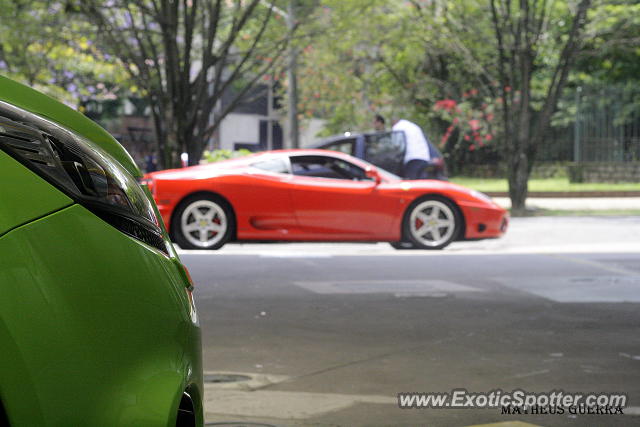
{"x": 373, "y": 174}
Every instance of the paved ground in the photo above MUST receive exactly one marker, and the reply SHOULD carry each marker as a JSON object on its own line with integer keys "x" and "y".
{"x": 330, "y": 333}
{"x": 579, "y": 203}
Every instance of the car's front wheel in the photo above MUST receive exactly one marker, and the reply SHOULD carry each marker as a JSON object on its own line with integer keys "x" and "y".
{"x": 432, "y": 223}
{"x": 202, "y": 222}
{"x": 403, "y": 245}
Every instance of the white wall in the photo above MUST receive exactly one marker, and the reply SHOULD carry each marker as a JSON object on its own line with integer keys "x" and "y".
{"x": 244, "y": 128}
{"x": 309, "y": 130}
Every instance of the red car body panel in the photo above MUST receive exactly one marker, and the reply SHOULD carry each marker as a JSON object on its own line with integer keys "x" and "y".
{"x": 285, "y": 207}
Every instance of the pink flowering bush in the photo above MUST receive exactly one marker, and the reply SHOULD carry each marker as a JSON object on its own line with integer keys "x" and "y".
{"x": 470, "y": 130}
{"x": 471, "y": 121}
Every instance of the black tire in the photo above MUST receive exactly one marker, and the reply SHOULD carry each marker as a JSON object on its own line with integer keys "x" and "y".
{"x": 440, "y": 222}
{"x": 403, "y": 245}
{"x": 4, "y": 419}
{"x": 202, "y": 221}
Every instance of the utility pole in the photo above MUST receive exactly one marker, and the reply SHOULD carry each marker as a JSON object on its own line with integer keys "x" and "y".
{"x": 577, "y": 138}
{"x": 269, "y": 115}
{"x": 294, "y": 133}
{"x": 292, "y": 76}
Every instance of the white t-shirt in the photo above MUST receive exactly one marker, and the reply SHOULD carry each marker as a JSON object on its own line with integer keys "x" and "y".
{"x": 416, "y": 142}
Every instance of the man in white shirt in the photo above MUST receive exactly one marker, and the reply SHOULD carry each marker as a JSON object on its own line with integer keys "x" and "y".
{"x": 416, "y": 156}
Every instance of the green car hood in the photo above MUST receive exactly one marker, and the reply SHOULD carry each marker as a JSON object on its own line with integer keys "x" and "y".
{"x": 35, "y": 102}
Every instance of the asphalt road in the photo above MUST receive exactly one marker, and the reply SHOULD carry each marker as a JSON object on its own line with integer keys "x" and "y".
{"x": 330, "y": 333}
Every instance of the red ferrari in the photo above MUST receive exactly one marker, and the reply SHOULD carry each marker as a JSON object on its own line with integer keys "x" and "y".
{"x": 317, "y": 195}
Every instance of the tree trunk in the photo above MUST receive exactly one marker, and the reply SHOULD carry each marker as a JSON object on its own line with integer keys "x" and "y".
{"x": 518, "y": 176}
{"x": 195, "y": 153}
{"x": 160, "y": 134}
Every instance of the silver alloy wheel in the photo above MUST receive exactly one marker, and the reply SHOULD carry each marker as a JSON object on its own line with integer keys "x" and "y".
{"x": 432, "y": 223}
{"x": 203, "y": 223}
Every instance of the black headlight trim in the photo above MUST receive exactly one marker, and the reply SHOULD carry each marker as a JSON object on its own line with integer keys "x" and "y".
{"x": 133, "y": 228}
{"x": 34, "y": 148}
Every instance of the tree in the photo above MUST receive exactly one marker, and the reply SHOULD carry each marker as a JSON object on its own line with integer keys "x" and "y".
{"x": 337, "y": 83}
{"x": 611, "y": 53}
{"x": 399, "y": 60}
{"x": 526, "y": 46}
{"x": 184, "y": 56}
{"x": 407, "y": 56}
{"x": 42, "y": 46}
{"x": 610, "y": 62}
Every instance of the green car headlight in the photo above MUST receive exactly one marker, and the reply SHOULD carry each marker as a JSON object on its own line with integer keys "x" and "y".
{"x": 82, "y": 170}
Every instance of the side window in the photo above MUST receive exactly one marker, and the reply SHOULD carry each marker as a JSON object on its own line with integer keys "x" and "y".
{"x": 385, "y": 150}
{"x": 346, "y": 147}
{"x": 272, "y": 165}
{"x": 326, "y": 167}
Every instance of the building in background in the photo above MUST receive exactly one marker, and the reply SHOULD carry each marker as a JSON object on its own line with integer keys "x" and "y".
{"x": 253, "y": 124}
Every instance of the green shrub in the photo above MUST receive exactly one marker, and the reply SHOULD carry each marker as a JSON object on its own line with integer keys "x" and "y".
{"x": 218, "y": 155}
{"x": 576, "y": 173}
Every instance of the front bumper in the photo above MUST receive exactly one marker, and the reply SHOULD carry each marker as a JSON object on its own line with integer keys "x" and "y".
{"x": 484, "y": 221}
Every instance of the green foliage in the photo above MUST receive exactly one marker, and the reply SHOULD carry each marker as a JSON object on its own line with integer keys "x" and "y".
{"x": 400, "y": 58}
{"x": 389, "y": 57}
{"x": 44, "y": 46}
{"x": 336, "y": 79}
{"x": 219, "y": 155}
{"x": 612, "y": 51}
{"x": 357, "y": 58}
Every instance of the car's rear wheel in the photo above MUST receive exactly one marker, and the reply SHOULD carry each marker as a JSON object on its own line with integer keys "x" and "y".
{"x": 4, "y": 420}
{"x": 432, "y": 223}
{"x": 203, "y": 221}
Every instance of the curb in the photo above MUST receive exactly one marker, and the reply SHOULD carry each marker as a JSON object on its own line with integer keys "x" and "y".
{"x": 568, "y": 194}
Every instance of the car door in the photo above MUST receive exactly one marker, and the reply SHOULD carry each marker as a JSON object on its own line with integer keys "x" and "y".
{"x": 333, "y": 199}
{"x": 268, "y": 209}
{"x": 346, "y": 146}
{"x": 385, "y": 150}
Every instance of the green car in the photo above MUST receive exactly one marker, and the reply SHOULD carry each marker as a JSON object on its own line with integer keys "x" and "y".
{"x": 97, "y": 321}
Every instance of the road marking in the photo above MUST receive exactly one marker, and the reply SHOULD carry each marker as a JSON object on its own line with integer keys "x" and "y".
{"x": 246, "y": 399}
{"x": 280, "y": 404}
{"x": 401, "y": 288}
{"x": 532, "y": 374}
{"x": 596, "y": 264}
{"x": 579, "y": 289}
{"x": 628, "y": 356}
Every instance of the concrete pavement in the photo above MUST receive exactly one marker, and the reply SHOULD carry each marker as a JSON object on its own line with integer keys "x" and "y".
{"x": 577, "y": 203}
{"x": 330, "y": 333}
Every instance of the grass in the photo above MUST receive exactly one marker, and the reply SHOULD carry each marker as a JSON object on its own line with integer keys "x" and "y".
{"x": 550, "y": 184}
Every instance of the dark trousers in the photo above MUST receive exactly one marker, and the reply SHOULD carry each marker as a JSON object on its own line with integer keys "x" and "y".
{"x": 416, "y": 169}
